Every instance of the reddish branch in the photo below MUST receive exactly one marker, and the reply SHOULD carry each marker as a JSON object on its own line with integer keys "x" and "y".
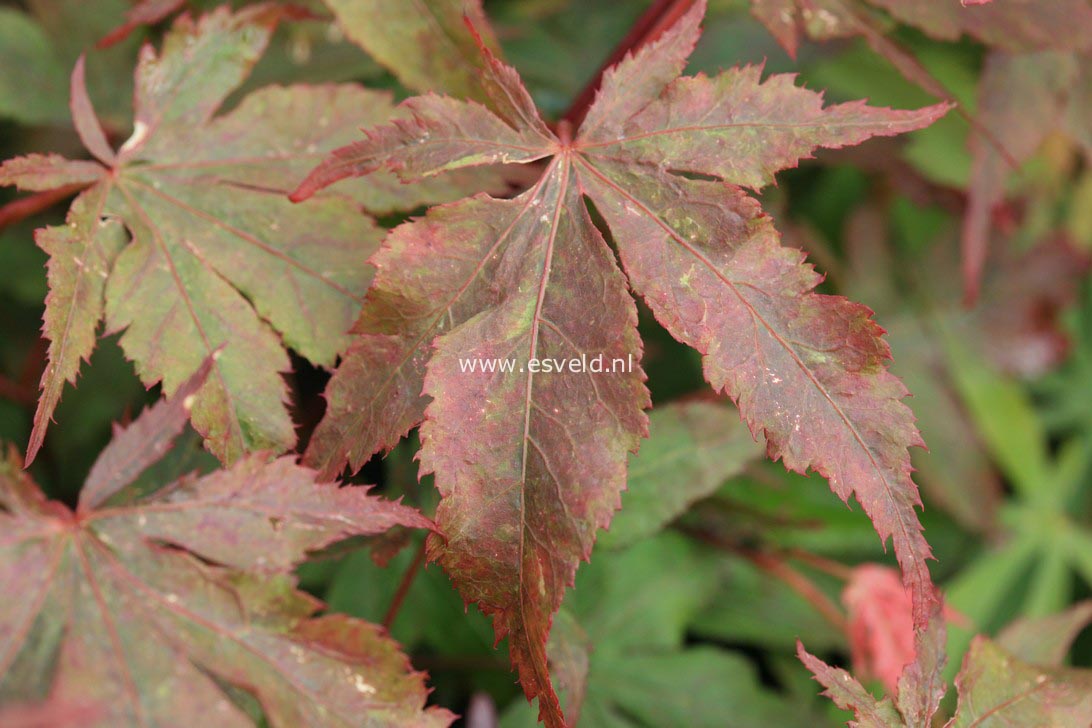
{"x": 800, "y": 584}
{"x": 828, "y": 566}
{"x": 660, "y": 16}
{"x": 775, "y": 565}
{"x": 24, "y": 390}
{"x": 404, "y": 587}
{"x": 24, "y": 207}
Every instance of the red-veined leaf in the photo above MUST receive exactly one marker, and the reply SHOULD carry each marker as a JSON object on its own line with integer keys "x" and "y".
{"x": 1046, "y": 640}
{"x": 143, "y": 443}
{"x": 81, "y": 254}
{"x": 145, "y": 12}
{"x": 848, "y": 694}
{"x": 168, "y": 605}
{"x": 530, "y": 464}
{"x": 920, "y": 687}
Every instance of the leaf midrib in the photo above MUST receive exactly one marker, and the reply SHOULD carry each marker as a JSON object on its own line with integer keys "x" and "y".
{"x": 183, "y": 293}
{"x": 179, "y": 610}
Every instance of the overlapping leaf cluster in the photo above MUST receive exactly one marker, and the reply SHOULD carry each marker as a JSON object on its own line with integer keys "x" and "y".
{"x": 184, "y": 240}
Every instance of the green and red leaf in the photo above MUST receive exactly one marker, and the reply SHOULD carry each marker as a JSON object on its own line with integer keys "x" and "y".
{"x": 217, "y": 256}
{"x": 171, "y": 604}
{"x": 530, "y": 465}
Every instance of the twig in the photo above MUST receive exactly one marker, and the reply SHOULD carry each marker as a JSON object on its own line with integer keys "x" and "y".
{"x": 777, "y": 567}
{"x": 18, "y": 210}
{"x": 827, "y": 566}
{"x": 660, "y": 16}
{"x": 459, "y": 663}
{"x": 800, "y": 584}
{"x": 23, "y": 390}
{"x": 404, "y": 587}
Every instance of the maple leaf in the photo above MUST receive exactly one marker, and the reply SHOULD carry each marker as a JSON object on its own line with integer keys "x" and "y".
{"x": 174, "y": 602}
{"x": 217, "y": 254}
{"x": 1020, "y": 99}
{"x": 529, "y": 465}
{"x": 824, "y": 20}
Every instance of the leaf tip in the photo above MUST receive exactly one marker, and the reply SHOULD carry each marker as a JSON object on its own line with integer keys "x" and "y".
{"x": 37, "y": 438}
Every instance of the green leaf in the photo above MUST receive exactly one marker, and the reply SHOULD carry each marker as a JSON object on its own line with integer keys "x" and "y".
{"x": 752, "y": 607}
{"x": 73, "y": 28}
{"x": 27, "y": 61}
{"x": 1005, "y": 417}
{"x": 426, "y": 43}
{"x": 692, "y": 448}
{"x": 634, "y": 606}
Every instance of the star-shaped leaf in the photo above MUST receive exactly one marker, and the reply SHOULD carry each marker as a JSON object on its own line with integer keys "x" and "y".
{"x": 174, "y": 603}
{"x": 217, "y": 254}
{"x": 530, "y": 460}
